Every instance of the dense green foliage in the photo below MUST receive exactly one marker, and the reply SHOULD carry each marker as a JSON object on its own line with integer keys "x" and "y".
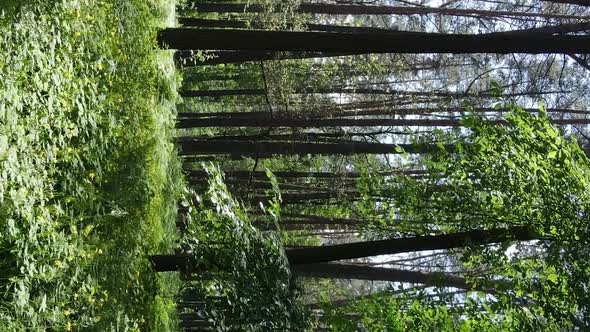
{"x": 402, "y": 313}
{"x": 241, "y": 272}
{"x": 525, "y": 173}
{"x": 92, "y": 199}
{"x": 87, "y": 175}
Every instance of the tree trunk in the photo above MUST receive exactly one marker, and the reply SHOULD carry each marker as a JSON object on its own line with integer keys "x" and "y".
{"x": 301, "y": 197}
{"x": 399, "y": 93}
{"x": 551, "y": 29}
{"x": 251, "y": 148}
{"x": 370, "y": 109}
{"x": 346, "y": 122}
{"x": 186, "y": 58}
{"x": 207, "y": 23}
{"x": 362, "y": 43}
{"x": 335, "y": 9}
{"x": 301, "y": 174}
{"x": 164, "y": 263}
{"x": 312, "y": 255}
{"x": 395, "y": 246}
{"x": 585, "y": 3}
{"x": 360, "y": 272}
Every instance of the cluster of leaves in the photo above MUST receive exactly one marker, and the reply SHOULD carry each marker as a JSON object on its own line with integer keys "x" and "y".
{"x": 86, "y": 173}
{"x": 401, "y": 313}
{"x": 241, "y": 274}
{"x": 524, "y": 173}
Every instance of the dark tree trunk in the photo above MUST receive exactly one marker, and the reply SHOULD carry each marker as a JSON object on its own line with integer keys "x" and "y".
{"x": 369, "y": 109}
{"x": 186, "y": 38}
{"x": 246, "y": 148}
{"x": 551, "y": 29}
{"x": 394, "y": 246}
{"x": 323, "y": 254}
{"x": 164, "y": 263}
{"x": 585, "y": 3}
{"x": 195, "y": 115}
{"x": 330, "y": 123}
{"x": 336, "y": 9}
{"x": 301, "y": 197}
{"x": 427, "y": 110}
{"x": 186, "y": 58}
{"x": 361, "y": 272}
{"x": 301, "y": 174}
{"x": 207, "y": 23}
{"x": 324, "y": 221}
{"x": 400, "y": 93}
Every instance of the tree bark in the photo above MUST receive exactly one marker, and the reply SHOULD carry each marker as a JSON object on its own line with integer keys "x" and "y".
{"x": 346, "y": 122}
{"x": 251, "y": 148}
{"x": 361, "y": 272}
{"x": 584, "y": 3}
{"x": 312, "y": 255}
{"x": 373, "y": 108}
{"x": 550, "y": 29}
{"x": 186, "y": 59}
{"x": 403, "y": 93}
{"x": 362, "y": 43}
{"x": 330, "y": 253}
{"x": 165, "y": 263}
{"x": 335, "y": 9}
{"x": 302, "y": 174}
{"x": 207, "y": 23}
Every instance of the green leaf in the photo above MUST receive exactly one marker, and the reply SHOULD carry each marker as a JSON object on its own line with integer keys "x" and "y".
{"x": 553, "y": 278}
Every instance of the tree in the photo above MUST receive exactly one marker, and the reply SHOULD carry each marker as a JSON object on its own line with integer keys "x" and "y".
{"x": 252, "y": 148}
{"x": 348, "y": 9}
{"x": 362, "y": 43}
{"x": 303, "y": 256}
{"x": 359, "y": 271}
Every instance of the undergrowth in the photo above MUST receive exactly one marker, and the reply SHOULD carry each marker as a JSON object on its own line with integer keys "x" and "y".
{"x": 88, "y": 177}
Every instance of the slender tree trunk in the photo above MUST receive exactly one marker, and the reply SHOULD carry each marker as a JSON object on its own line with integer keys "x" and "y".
{"x": 301, "y": 197}
{"x": 336, "y": 9}
{"x": 427, "y": 110}
{"x": 163, "y": 263}
{"x": 395, "y": 246}
{"x": 245, "y": 148}
{"x": 207, "y": 23}
{"x": 551, "y": 29}
{"x": 402, "y": 93}
{"x": 196, "y": 115}
{"x": 585, "y": 3}
{"x": 346, "y": 122}
{"x": 187, "y": 59}
{"x": 303, "y": 174}
{"x": 361, "y": 272}
{"x": 323, "y": 254}
{"x": 186, "y": 38}
{"x": 243, "y": 184}
{"x": 374, "y": 108}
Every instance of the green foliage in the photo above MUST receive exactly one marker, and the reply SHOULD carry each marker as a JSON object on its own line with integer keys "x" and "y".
{"x": 241, "y": 273}
{"x": 87, "y": 177}
{"x": 525, "y": 173}
{"x": 402, "y": 313}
